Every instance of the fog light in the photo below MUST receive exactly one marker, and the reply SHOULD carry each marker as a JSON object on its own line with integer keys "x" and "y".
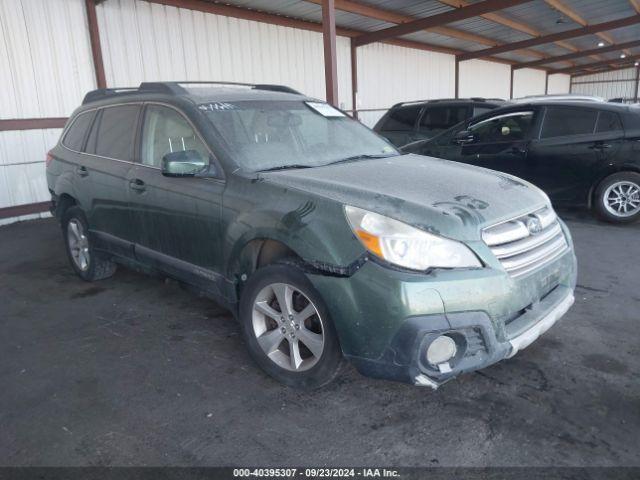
{"x": 441, "y": 350}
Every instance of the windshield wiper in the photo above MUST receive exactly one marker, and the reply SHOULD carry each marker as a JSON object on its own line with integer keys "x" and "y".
{"x": 284, "y": 167}
{"x": 354, "y": 158}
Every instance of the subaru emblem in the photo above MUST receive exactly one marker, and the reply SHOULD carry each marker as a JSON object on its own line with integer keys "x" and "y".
{"x": 534, "y": 226}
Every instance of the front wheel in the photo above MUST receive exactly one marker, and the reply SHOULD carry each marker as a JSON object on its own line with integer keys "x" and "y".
{"x": 617, "y": 198}
{"x": 288, "y": 329}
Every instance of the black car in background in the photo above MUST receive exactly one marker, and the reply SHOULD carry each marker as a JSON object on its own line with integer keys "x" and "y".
{"x": 410, "y": 121}
{"x": 579, "y": 153}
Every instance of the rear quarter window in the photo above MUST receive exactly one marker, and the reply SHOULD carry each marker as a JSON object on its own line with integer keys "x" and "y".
{"x": 608, "y": 122}
{"x": 74, "y": 138}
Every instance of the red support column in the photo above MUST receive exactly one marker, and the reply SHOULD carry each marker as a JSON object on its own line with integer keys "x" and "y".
{"x": 94, "y": 36}
{"x": 457, "y": 78}
{"x": 354, "y": 78}
{"x": 546, "y": 84}
{"x": 511, "y": 83}
{"x": 330, "y": 61}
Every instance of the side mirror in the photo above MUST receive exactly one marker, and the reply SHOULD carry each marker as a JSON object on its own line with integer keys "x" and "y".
{"x": 185, "y": 163}
{"x": 464, "y": 137}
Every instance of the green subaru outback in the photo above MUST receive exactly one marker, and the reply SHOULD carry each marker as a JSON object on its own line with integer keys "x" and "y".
{"x": 323, "y": 240}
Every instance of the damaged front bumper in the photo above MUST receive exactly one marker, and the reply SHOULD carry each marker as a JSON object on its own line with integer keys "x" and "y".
{"x": 387, "y": 319}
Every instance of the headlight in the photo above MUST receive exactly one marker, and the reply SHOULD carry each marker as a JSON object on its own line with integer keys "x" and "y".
{"x": 406, "y": 246}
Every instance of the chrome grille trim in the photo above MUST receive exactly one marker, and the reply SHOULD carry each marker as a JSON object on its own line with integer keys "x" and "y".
{"x": 521, "y": 251}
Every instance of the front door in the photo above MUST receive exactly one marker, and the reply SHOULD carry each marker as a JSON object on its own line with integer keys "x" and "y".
{"x": 177, "y": 218}
{"x": 499, "y": 143}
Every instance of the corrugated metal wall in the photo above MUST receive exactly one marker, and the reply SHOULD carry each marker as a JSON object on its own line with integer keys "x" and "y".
{"x": 479, "y": 78}
{"x": 559, "y": 83}
{"x": 45, "y": 69}
{"x": 528, "y": 81}
{"x": 615, "y": 84}
{"x": 142, "y": 41}
{"x": 388, "y": 74}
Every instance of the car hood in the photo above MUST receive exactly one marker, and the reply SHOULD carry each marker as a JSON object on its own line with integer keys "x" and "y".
{"x": 440, "y": 196}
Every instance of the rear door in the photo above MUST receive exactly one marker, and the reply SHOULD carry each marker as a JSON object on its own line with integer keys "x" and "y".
{"x": 106, "y": 165}
{"x": 568, "y": 154}
{"x": 177, "y": 219}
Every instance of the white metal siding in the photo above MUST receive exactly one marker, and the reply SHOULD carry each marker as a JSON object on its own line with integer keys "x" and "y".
{"x": 144, "y": 42}
{"x": 45, "y": 58}
{"x": 46, "y": 67}
{"x": 388, "y": 74}
{"x": 528, "y": 81}
{"x": 615, "y": 84}
{"x": 480, "y": 78}
{"x": 22, "y": 155}
{"x": 559, "y": 83}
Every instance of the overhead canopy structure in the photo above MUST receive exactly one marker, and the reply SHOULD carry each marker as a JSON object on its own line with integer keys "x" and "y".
{"x": 559, "y": 36}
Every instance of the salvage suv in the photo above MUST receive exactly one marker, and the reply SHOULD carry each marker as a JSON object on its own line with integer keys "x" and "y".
{"x": 322, "y": 239}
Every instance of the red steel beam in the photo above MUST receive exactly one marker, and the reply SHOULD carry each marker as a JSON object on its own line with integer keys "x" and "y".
{"x": 554, "y": 37}
{"x": 94, "y": 37}
{"x": 28, "y": 209}
{"x": 31, "y": 123}
{"x": 330, "y": 57}
{"x": 454, "y": 15}
{"x": 583, "y": 53}
{"x": 614, "y": 63}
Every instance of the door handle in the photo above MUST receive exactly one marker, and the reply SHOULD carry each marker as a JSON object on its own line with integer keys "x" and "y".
{"x": 600, "y": 146}
{"x": 518, "y": 151}
{"x": 137, "y": 184}
{"x": 82, "y": 171}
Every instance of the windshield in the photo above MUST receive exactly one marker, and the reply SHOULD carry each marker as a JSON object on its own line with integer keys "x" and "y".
{"x": 265, "y": 135}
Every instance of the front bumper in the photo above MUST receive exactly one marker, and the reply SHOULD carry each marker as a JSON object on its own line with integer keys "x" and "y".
{"x": 386, "y": 318}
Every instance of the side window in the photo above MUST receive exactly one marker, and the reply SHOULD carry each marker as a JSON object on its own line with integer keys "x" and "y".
{"x": 116, "y": 132}
{"x": 608, "y": 122}
{"x": 402, "y": 119}
{"x": 167, "y": 131}
{"x": 74, "y": 137}
{"x": 448, "y": 137}
{"x": 503, "y": 128}
{"x": 437, "y": 119}
{"x": 564, "y": 121}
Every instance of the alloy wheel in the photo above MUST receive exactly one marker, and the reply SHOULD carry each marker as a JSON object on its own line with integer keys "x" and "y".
{"x": 78, "y": 244}
{"x": 288, "y": 327}
{"x": 622, "y": 199}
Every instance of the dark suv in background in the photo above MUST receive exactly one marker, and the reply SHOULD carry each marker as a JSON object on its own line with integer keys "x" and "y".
{"x": 579, "y": 153}
{"x": 410, "y": 121}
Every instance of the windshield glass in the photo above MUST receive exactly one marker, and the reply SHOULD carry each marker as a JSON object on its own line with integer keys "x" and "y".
{"x": 265, "y": 135}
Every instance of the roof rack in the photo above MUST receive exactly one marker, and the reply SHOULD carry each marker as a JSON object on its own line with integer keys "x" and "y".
{"x": 176, "y": 88}
{"x": 438, "y": 100}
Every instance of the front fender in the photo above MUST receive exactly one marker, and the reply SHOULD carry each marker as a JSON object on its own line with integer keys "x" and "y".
{"x": 313, "y": 227}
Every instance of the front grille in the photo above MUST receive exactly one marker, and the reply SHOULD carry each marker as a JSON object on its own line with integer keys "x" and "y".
{"x": 525, "y": 244}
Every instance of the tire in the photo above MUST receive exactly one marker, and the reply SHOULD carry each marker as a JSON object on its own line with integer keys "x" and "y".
{"x": 88, "y": 264}
{"x": 269, "y": 334}
{"x": 617, "y": 193}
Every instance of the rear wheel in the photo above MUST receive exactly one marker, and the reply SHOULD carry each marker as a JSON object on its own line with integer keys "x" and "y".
{"x": 617, "y": 198}
{"x": 288, "y": 329}
{"x": 89, "y": 264}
